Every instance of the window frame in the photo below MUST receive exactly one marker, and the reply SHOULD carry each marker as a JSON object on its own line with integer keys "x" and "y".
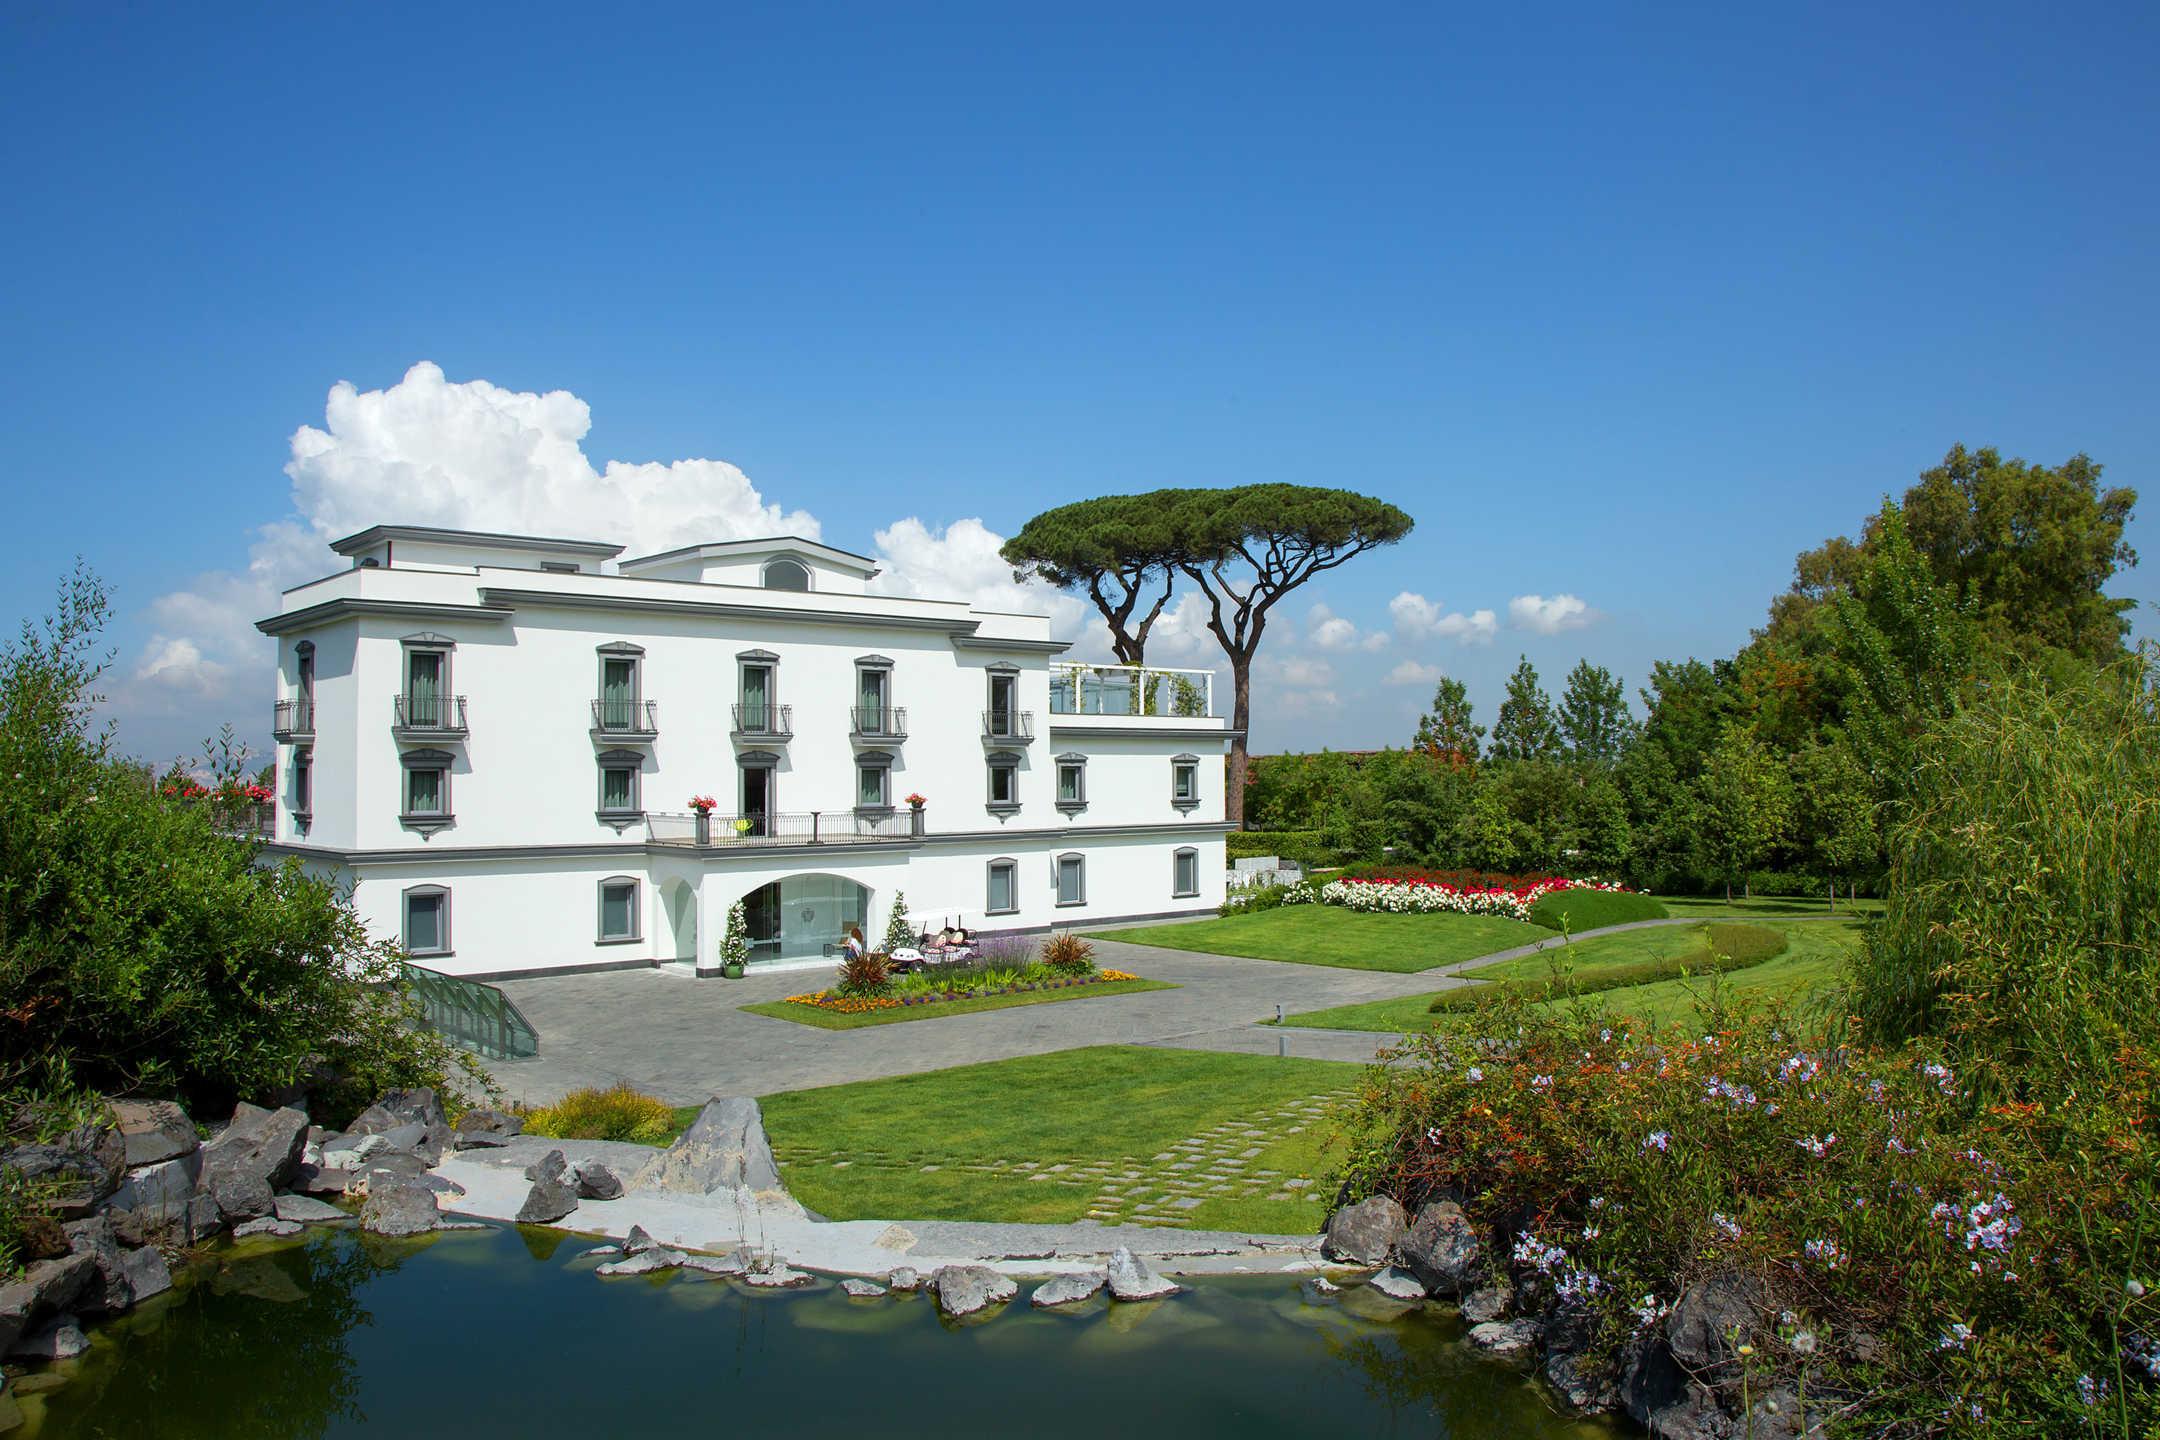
{"x": 444, "y": 648}
{"x": 619, "y": 652}
{"x": 1078, "y": 763}
{"x": 426, "y": 821}
{"x": 300, "y": 784}
{"x": 1009, "y": 762}
{"x": 1181, "y": 764}
{"x": 880, "y": 761}
{"x": 637, "y": 911}
{"x": 882, "y": 668}
{"x": 1057, "y": 879}
{"x": 1178, "y": 858}
{"x": 634, "y": 763}
{"x": 1011, "y": 867}
{"x": 766, "y": 660}
{"x": 809, "y": 576}
{"x": 439, "y": 893}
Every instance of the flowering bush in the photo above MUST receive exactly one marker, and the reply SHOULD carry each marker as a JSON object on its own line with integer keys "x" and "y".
{"x": 1936, "y": 1263}
{"x": 735, "y": 939}
{"x": 1413, "y": 893}
{"x": 933, "y": 987}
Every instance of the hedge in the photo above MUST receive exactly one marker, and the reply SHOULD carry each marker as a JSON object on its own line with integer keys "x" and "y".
{"x": 1727, "y": 947}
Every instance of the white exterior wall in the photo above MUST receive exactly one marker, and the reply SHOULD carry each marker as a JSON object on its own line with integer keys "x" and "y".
{"x": 526, "y": 851}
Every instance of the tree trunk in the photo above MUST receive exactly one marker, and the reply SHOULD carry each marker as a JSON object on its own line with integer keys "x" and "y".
{"x": 1240, "y": 757}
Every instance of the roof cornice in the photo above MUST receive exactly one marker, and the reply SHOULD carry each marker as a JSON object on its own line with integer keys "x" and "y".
{"x": 862, "y": 565}
{"x": 733, "y": 609}
{"x": 969, "y": 640}
{"x": 330, "y": 611}
{"x": 485, "y": 539}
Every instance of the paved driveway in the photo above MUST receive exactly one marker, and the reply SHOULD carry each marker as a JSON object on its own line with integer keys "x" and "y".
{"x": 685, "y": 1039}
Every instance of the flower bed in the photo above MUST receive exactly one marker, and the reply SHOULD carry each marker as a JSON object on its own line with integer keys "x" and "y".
{"x": 1414, "y": 893}
{"x": 863, "y": 1004}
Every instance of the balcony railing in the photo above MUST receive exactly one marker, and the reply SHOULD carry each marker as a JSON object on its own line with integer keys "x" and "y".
{"x": 878, "y": 722}
{"x": 1077, "y": 689}
{"x": 430, "y": 717}
{"x": 293, "y": 720}
{"x": 809, "y": 827}
{"x": 765, "y": 722}
{"x": 1008, "y": 727}
{"x": 625, "y": 719}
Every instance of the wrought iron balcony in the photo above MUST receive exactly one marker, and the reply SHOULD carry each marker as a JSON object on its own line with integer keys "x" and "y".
{"x": 429, "y": 717}
{"x": 294, "y": 720}
{"x": 1008, "y": 727}
{"x": 878, "y": 722}
{"x": 809, "y": 827}
{"x": 624, "y": 720}
{"x": 764, "y": 722}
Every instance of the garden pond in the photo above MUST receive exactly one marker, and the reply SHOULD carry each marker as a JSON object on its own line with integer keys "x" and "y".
{"x": 506, "y": 1332}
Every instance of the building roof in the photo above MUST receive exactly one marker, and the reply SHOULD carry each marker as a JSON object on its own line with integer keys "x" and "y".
{"x": 486, "y": 539}
{"x": 839, "y": 559}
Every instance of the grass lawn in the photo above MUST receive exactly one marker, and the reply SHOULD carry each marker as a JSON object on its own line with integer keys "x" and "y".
{"x": 1814, "y": 951}
{"x": 1114, "y": 1132}
{"x": 1351, "y": 939}
{"x": 834, "y": 1020}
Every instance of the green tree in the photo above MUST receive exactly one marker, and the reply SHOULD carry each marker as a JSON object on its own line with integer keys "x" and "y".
{"x": 1601, "y": 836}
{"x": 2028, "y": 548}
{"x": 1907, "y": 650}
{"x": 1687, "y": 705}
{"x": 1115, "y": 549}
{"x": 1447, "y": 729}
{"x": 1744, "y": 805}
{"x": 1248, "y": 547}
{"x": 1594, "y": 716}
{"x": 1837, "y": 813}
{"x": 1487, "y": 834}
{"x": 1525, "y": 729}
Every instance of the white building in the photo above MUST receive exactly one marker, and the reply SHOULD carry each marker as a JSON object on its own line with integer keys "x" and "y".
{"x": 496, "y": 738}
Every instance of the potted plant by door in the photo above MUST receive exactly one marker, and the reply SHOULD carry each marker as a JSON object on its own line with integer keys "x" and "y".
{"x": 702, "y": 806}
{"x": 735, "y": 942}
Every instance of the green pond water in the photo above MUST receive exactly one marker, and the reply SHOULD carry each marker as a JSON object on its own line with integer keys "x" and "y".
{"x": 506, "y": 1333}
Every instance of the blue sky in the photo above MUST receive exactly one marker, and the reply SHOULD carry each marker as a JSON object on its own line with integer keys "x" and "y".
{"x": 1626, "y": 307}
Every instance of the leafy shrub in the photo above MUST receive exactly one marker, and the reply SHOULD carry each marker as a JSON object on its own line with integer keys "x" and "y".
{"x": 1254, "y": 899}
{"x": 1068, "y": 954}
{"x": 1941, "y": 1257}
{"x": 142, "y": 951}
{"x": 1726, "y": 948}
{"x": 1580, "y": 910}
{"x": 867, "y": 974}
{"x": 2022, "y": 925}
{"x": 616, "y": 1113}
{"x": 1306, "y": 848}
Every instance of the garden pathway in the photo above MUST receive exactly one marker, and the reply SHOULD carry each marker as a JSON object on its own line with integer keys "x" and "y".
{"x": 686, "y": 1040}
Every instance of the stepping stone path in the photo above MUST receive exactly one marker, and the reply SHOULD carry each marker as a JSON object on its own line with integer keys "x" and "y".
{"x": 1220, "y": 1163}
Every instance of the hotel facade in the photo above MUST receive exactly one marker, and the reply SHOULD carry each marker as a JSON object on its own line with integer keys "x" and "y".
{"x": 495, "y": 740}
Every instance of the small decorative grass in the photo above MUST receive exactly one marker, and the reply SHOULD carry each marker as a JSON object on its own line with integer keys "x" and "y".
{"x": 616, "y": 1113}
{"x": 1724, "y": 947}
{"x": 826, "y": 1011}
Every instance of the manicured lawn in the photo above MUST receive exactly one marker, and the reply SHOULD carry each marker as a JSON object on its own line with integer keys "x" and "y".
{"x": 1810, "y": 964}
{"x": 835, "y": 1020}
{"x": 1330, "y": 935}
{"x": 1116, "y": 1132}
{"x": 1710, "y": 906}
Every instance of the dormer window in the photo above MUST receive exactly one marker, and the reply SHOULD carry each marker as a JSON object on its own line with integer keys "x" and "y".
{"x": 786, "y": 575}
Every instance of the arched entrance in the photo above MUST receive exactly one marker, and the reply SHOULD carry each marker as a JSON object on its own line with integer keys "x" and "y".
{"x": 803, "y": 917}
{"x": 679, "y": 902}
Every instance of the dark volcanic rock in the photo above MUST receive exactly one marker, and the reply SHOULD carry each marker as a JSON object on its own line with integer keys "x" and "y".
{"x": 1364, "y": 1233}
{"x": 400, "y": 1207}
{"x": 553, "y": 1194}
{"x": 155, "y": 1130}
{"x": 1442, "y": 1249}
{"x": 254, "y": 1155}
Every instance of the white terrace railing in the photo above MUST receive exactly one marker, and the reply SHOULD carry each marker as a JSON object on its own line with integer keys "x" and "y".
{"x": 1078, "y": 689}
{"x": 808, "y": 827}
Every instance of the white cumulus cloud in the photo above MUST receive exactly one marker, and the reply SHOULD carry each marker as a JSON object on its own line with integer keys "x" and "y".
{"x": 1415, "y": 672}
{"x": 1548, "y": 617}
{"x": 1330, "y": 631}
{"x": 430, "y": 451}
{"x": 1418, "y": 618}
